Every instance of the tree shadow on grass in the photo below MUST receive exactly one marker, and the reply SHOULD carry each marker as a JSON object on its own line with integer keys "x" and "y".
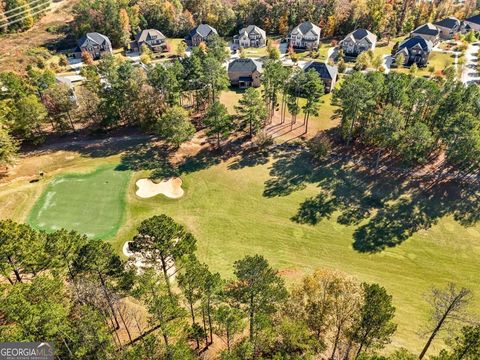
{"x": 148, "y": 157}
{"x": 386, "y": 208}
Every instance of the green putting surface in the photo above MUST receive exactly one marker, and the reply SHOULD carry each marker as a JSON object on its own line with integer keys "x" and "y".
{"x": 92, "y": 204}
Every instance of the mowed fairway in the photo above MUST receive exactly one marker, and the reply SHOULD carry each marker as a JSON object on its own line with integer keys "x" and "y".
{"x": 92, "y": 203}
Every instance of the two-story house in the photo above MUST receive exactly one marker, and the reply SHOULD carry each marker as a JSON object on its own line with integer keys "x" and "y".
{"x": 449, "y": 27}
{"x": 427, "y": 32}
{"x": 472, "y": 23}
{"x": 97, "y": 45}
{"x": 305, "y": 36}
{"x": 199, "y": 34}
{"x": 416, "y": 51}
{"x": 358, "y": 41}
{"x": 328, "y": 73}
{"x": 250, "y": 36}
{"x": 151, "y": 38}
{"x": 245, "y": 73}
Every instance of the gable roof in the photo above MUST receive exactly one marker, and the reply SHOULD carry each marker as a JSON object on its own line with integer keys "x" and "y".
{"x": 426, "y": 29}
{"x": 450, "y": 22}
{"x": 474, "y": 19}
{"x": 204, "y": 30}
{"x": 409, "y": 43}
{"x": 149, "y": 34}
{"x": 307, "y": 26}
{"x": 244, "y": 65}
{"x": 253, "y": 28}
{"x": 324, "y": 70}
{"x": 361, "y": 34}
{"x": 95, "y": 38}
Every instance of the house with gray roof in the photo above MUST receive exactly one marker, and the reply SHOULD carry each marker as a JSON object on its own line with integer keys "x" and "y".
{"x": 305, "y": 36}
{"x": 472, "y": 23}
{"x": 328, "y": 73}
{"x": 94, "y": 43}
{"x": 245, "y": 73}
{"x": 358, "y": 41}
{"x": 250, "y": 36}
{"x": 448, "y": 27}
{"x": 416, "y": 51}
{"x": 151, "y": 38}
{"x": 427, "y": 32}
{"x": 199, "y": 34}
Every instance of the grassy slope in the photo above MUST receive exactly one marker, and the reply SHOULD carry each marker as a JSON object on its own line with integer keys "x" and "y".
{"x": 227, "y": 211}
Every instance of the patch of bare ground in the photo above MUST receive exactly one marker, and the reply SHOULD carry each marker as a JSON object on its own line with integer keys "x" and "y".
{"x": 14, "y": 56}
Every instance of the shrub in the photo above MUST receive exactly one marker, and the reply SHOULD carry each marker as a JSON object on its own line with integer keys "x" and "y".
{"x": 263, "y": 140}
{"x": 319, "y": 146}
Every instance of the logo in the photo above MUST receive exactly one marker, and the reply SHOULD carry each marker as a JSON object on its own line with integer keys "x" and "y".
{"x": 26, "y": 351}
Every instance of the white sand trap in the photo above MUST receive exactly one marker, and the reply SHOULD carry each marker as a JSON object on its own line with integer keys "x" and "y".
{"x": 171, "y": 188}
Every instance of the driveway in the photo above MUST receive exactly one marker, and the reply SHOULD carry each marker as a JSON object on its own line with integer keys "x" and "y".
{"x": 470, "y": 73}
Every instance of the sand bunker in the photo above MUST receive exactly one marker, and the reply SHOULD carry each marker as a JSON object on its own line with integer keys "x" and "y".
{"x": 171, "y": 188}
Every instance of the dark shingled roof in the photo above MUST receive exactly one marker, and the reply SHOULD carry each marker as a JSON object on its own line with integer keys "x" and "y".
{"x": 411, "y": 42}
{"x": 427, "y": 29}
{"x": 94, "y": 37}
{"x": 148, "y": 34}
{"x": 306, "y": 26}
{"x": 203, "y": 30}
{"x": 360, "y": 34}
{"x": 474, "y": 19}
{"x": 449, "y": 22}
{"x": 324, "y": 70}
{"x": 253, "y": 28}
{"x": 244, "y": 65}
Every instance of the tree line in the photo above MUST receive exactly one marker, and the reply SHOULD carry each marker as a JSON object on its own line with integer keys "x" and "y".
{"x": 164, "y": 303}
{"x": 120, "y": 19}
{"x": 411, "y": 117}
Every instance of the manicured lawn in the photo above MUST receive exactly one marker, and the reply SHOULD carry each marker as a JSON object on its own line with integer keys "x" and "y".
{"x": 246, "y": 205}
{"x": 243, "y": 207}
{"x": 91, "y": 203}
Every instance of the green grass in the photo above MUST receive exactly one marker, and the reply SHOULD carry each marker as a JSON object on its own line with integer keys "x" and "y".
{"x": 226, "y": 208}
{"x": 91, "y": 203}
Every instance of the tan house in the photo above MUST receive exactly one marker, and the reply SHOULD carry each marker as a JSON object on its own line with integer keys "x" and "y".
{"x": 358, "y": 41}
{"x": 151, "y": 38}
{"x": 245, "y": 73}
{"x": 199, "y": 34}
{"x": 449, "y": 27}
{"x": 305, "y": 36}
{"x": 251, "y": 36}
{"x": 427, "y": 32}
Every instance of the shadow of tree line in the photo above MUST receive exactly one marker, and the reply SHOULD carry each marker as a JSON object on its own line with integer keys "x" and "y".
{"x": 387, "y": 208}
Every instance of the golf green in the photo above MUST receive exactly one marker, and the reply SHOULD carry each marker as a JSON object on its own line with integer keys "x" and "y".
{"x": 92, "y": 203}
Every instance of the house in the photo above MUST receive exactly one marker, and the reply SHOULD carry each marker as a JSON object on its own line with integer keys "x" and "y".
{"x": 472, "y": 23}
{"x": 251, "y": 36}
{"x": 358, "y": 41}
{"x": 305, "y": 36}
{"x": 199, "y": 34}
{"x": 245, "y": 73}
{"x": 94, "y": 43}
{"x": 448, "y": 27}
{"x": 151, "y": 38}
{"x": 328, "y": 73}
{"x": 416, "y": 50}
{"x": 427, "y": 32}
